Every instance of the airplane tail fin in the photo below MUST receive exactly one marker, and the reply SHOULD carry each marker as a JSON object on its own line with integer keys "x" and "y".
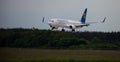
{"x": 83, "y": 19}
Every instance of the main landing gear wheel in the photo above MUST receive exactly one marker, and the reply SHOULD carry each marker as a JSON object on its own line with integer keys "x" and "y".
{"x": 63, "y": 30}
{"x": 73, "y": 30}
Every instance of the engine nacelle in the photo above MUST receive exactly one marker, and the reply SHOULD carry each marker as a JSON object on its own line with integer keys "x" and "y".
{"x": 72, "y": 27}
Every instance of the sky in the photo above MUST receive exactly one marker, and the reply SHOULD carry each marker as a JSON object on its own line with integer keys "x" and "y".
{"x": 29, "y": 13}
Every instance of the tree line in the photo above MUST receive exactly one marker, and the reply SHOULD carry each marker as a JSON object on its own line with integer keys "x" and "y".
{"x": 47, "y": 39}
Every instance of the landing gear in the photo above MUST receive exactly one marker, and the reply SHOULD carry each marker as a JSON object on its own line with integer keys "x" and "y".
{"x": 73, "y": 30}
{"x": 63, "y": 30}
{"x": 53, "y": 28}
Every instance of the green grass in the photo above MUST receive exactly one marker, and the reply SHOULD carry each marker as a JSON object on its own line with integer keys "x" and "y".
{"x": 46, "y": 55}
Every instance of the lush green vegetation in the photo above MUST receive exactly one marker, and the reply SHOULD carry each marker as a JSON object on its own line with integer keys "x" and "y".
{"x": 47, "y": 55}
{"x": 47, "y": 39}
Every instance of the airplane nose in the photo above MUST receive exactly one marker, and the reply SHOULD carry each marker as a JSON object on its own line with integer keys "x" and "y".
{"x": 49, "y": 22}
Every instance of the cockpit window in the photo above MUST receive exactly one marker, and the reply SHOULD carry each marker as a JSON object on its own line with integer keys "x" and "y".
{"x": 52, "y": 20}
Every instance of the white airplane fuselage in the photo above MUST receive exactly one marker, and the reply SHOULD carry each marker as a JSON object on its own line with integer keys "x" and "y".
{"x": 64, "y": 23}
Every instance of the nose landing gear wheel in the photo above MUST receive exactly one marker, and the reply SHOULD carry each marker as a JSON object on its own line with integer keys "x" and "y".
{"x": 53, "y": 28}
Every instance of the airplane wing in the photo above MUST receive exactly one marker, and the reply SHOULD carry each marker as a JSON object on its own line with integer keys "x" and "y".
{"x": 96, "y": 22}
{"x": 71, "y": 26}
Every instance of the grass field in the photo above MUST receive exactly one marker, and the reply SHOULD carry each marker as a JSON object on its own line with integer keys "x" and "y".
{"x": 46, "y": 55}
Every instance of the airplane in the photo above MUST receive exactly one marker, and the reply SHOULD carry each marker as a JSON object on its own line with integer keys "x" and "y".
{"x": 71, "y": 24}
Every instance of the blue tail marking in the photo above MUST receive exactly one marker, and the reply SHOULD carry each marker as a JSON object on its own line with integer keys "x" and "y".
{"x": 83, "y": 19}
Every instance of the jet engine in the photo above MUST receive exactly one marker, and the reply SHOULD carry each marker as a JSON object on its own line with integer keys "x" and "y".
{"x": 72, "y": 27}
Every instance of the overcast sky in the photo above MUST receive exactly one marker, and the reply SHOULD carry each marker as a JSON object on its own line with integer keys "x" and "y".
{"x": 29, "y": 13}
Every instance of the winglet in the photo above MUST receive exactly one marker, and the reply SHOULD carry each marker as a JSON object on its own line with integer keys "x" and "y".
{"x": 104, "y": 20}
{"x": 43, "y": 19}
